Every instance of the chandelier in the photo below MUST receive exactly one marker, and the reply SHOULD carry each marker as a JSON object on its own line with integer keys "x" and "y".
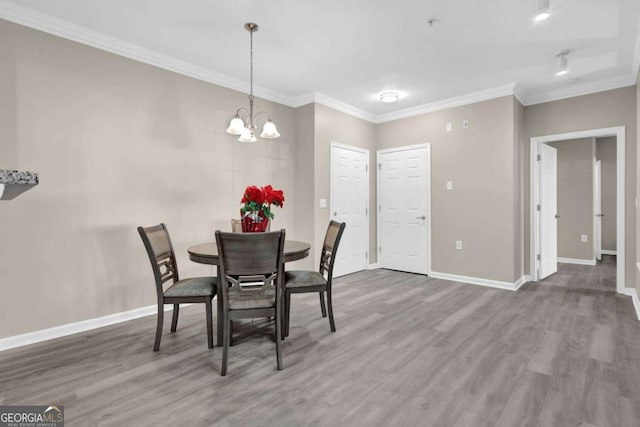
{"x": 246, "y": 126}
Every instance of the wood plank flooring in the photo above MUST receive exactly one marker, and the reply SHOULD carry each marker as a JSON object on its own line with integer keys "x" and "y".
{"x": 409, "y": 351}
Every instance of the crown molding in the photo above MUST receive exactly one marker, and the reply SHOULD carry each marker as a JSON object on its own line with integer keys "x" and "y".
{"x": 536, "y": 97}
{"x": 39, "y": 21}
{"x": 77, "y": 33}
{"x": 327, "y": 101}
{"x": 457, "y": 101}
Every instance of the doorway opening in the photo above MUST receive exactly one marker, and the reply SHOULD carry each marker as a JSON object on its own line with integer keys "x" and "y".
{"x": 582, "y": 236}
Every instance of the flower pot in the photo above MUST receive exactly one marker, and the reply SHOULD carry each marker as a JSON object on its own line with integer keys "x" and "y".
{"x": 259, "y": 225}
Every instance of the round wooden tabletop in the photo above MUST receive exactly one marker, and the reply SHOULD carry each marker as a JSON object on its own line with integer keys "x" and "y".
{"x": 207, "y": 253}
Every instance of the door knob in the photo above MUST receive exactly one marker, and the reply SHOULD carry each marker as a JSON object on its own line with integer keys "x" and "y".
{"x": 335, "y": 213}
{"x": 557, "y": 216}
{"x": 600, "y": 215}
{"x": 421, "y": 217}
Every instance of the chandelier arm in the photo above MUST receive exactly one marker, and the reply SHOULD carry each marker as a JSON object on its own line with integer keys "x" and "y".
{"x": 261, "y": 112}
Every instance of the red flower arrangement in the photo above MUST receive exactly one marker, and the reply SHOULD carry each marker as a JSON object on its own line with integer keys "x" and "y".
{"x": 256, "y": 209}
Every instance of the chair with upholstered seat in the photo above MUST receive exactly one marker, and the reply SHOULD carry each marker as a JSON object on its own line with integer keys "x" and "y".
{"x": 165, "y": 268}
{"x": 302, "y": 281}
{"x": 251, "y": 268}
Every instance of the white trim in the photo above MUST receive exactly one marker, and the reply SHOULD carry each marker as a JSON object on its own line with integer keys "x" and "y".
{"x": 620, "y": 133}
{"x": 607, "y": 252}
{"x": 31, "y": 18}
{"x": 456, "y": 101}
{"x": 429, "y": 217}
{"x": 634, "y": 298}
{"x": 482, "y": 282}
{"x": 81, "y": 326}
{"x": 368, "y": 180}
{"x": 539, "y": 97}
{"x": 577, "y": 261}
{"x": 58, "y": 27}
{"x": 327, "y": 101}
{"x": 373, "y": 266}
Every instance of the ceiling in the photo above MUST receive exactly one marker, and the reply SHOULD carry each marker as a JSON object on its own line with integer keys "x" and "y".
{"x": 345, "y": 53}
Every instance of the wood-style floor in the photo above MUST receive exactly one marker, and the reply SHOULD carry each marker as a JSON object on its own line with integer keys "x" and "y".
{"x": 409, "y": 350}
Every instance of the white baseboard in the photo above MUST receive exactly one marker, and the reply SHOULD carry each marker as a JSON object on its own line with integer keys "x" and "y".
{"x": 607, "y": 252}
{"x": 577, "y": 261}
{"x": 372, "y": 266}
{"x": 77, "y": 327}
{"x": 634, "y": 297}
{"x": 482, "y": 282}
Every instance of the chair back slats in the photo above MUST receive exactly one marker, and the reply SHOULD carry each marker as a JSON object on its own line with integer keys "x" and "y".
{"x": 330, "y": 247}
{"x": 250, "y": 258}
{"x": 161, "y": 255}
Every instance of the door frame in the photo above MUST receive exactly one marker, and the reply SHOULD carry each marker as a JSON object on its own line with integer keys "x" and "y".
{"x": 379, "y": 206}
{"x": 368, "y": 189}
{"x": 619, "y": 133}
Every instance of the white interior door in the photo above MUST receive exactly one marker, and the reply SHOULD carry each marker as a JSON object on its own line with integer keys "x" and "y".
{"x": 548, "y": 211}
{"x": 349, "y": 204}
{"x": 404, "y": 208}
{"x": 597, "y": 207}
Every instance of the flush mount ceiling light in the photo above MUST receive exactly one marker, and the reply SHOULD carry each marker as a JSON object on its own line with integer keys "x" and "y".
{"x": 246, "y": 127}
{"x": 389, "y": 97}
{"x": 542, "y": 10}
{"x": 562, "y": 67}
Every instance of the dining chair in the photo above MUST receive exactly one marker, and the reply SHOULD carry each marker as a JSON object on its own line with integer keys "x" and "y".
{"x": 303, "y": 281}
{"x": 165, "y": 268}
{"x": 236, "y": 225}
{"x": 251, "y": 265}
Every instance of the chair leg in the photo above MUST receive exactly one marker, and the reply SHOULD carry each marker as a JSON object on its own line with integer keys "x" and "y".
{"x": 225, "y": 344}
{"x": 209, "y": 322}
{"x": 174, "y": 321}
{"x": 279, "y": 340}
{"x": 156, "y": 345}
{"x": 286, "y": 314}
{"x": 230, "y": 333}
{"x": 331, "y": 322}
{"x": 322, "y": 306}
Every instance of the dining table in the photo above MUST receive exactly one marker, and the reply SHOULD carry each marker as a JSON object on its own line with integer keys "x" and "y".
{"x": 207, "y": 253}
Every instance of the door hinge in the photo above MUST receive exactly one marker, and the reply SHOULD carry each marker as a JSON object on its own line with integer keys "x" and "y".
{"x": 366, "y": 211}
{"x": 366, "y": 255}
{"x": 538, "y": 257}
{"x": 379, "y": 166}
{"x": 379, "y": 208}
{"x": 539, "y": 207}
{"x": 366, "y": 168}
{"x": 380, "y": 249}
{"x": 539, "y": 157}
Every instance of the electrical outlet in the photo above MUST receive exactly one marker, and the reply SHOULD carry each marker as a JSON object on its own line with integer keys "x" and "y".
{"x": 459, "y": 245}
{"x": 449, "y": 185}
{"x": 449, "y": 127}
{"x": 584, "y": 238}
{"x": 323, "y": 203}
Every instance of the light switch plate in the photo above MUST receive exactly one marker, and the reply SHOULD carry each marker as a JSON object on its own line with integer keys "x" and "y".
{"x": 449, "y": 185}
{"x": 449, "y": 127}
{"x": 459, "y": 245}
{"x": 584, "y": 238}
{"x": 323, "y": 203}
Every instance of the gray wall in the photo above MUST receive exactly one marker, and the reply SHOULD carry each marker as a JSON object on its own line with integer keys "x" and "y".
{"x": 118, "y": 144}
{"x": 575, "y": 197}
{"x": 606, "y": 153}
{"x": 599, "y": 110}
{"x": 482, "y": 209}
{"x": 334, "y": 126}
